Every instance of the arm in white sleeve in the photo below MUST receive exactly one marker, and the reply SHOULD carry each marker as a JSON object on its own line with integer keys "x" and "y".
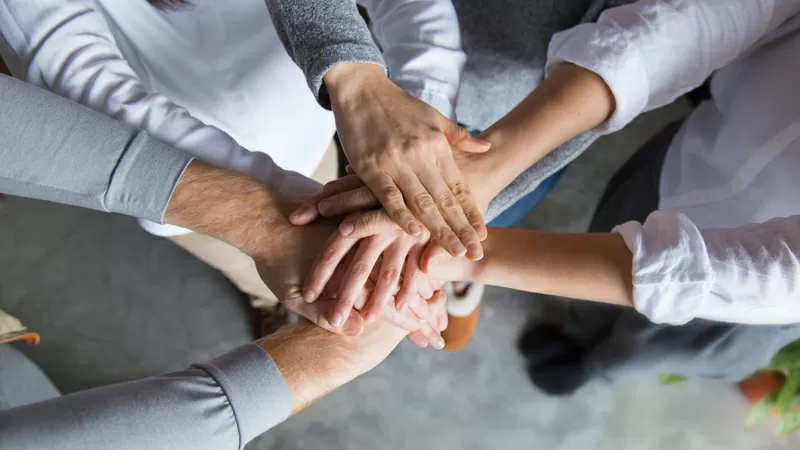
{"x": 222, "y": 404}
{"x": 749, "y": 274}
{"x": 66, "y": 46}
{"x": 421, "y": 44}
{"x": 652, "y": 51}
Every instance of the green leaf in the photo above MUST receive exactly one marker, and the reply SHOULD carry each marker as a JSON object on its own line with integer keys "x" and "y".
{"x": 671, "y": 378}
{"x": 789, "y": 423}
{"x": 789, "y": 391}
{"x": 760, "y": 411}
{"x": 788, "y": 357}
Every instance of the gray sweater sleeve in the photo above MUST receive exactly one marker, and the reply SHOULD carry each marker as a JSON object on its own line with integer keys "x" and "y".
{"x": 321, "y": 34}
{"x": 222, "y": 404}
{"x": 54, "y": 149}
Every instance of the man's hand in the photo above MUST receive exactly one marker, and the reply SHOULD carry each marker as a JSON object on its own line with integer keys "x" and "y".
{"x": 403, "y": 150}
{"x": 244, "y": 213}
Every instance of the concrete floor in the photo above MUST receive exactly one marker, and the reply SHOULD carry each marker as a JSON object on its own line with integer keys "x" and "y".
{"x": 113, "y": 303}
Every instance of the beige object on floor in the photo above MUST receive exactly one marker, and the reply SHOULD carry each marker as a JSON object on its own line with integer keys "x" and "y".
{"x": 237, "y": 266}
{"x": 12, "y": 330}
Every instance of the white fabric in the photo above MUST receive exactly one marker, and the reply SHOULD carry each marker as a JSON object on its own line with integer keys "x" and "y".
{"x": 734, "y": 162}
{"x": 421, "y": 43}
{"x": 213, "y": 79}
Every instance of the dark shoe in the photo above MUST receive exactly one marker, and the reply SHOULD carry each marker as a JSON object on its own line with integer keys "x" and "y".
{"x": 554, "y": 361}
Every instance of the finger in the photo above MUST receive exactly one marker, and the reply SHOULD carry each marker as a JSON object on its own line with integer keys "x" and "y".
{"x": 349, "y": 169}
{"x": 411, "y": 274}
{"x": 461, "y": 191}
{"x": 426, "y": 209}
{"x": 318, "y": 313}
{"x": 453, "y": 231}
{"x": 461, "y": 139}
{"x": 418, "y": 339}
{"x": 363, "y": 225}
{"x": 391, "y": 197}
{"x": 391, "y": 266}
{"x": 432, "y": 255}
{"x": 306, "y": 213}
{"x": 335, "y": 249}
{"x": 369, "y": 250}
{"x": 438, "y": 308}
{"x": 347, "y": 202}
{"x": 310, "y": 210}
{"x": 432, "y": 336}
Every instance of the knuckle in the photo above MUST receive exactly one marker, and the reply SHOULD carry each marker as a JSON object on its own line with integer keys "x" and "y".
{"x": 425, "y": 203}
{"x": 460, "y": 190}
{"x": 329, "y": 254}
{"x": 391, "y": 275}
{"x": 448, "y": 202}
{"x": 360, "y": 270}
{"x": 443, "y": 234}
{"x": 466, "y": 234}
{"x": 413, "y": 145}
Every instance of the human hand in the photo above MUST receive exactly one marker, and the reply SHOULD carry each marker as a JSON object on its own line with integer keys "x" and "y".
{"x": 383, "y": 250}
{"x": 403, "y": 150}
{"x": 283, "y": 267}
{"x": 314, "y": 362}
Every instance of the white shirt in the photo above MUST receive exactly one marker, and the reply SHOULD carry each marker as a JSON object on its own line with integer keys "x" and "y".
{"x": 734, "y": 162}
{"x": 213, "y": 79}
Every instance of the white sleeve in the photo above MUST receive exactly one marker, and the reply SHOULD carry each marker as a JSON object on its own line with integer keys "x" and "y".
{"x": 749, "y": 274}
{"x": 653, "y": 51}
{"x": 421, "y": 44}
{"x": 66, "y": 46}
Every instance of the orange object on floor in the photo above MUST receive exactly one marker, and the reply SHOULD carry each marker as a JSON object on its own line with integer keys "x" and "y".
{"x": 460, "y": 330}
{"x": 761, "y": 385}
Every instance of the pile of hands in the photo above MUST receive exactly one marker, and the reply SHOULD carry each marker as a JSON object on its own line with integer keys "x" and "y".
{"x": 371, "y": 241}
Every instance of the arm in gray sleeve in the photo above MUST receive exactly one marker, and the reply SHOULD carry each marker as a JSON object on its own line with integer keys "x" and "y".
{"x": 222, "y": 404}
{"x": 57, "y": 150}
{"x": 319, "y": 34}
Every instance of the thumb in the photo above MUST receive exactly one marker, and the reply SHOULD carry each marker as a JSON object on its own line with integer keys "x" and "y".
{"x": 460, "y": 139}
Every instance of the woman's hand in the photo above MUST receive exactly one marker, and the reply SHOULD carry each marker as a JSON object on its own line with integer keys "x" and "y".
{"x": 403, "y": 151}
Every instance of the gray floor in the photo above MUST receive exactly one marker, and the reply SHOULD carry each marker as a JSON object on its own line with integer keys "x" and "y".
{"x": 113, "y": 303}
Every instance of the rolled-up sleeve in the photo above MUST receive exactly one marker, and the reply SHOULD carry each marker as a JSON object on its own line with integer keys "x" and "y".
{"x": 222, "y": 404}
{"x": 749, "y": 274}
{"x": 652, "y": 51}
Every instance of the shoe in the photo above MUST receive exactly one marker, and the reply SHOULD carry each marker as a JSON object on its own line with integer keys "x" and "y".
{"x": 554, "y": 361}
{"x": 463, "y": 311}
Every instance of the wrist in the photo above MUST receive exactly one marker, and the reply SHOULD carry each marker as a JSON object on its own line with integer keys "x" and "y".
{"x": 313, "y": 361}
{"x": 227, "y": 206}
{"x": 347, "y": 80}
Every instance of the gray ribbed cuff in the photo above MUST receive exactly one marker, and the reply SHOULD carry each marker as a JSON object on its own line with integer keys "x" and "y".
{"x": 329, "y": 57}
{"x": 258, "y": 394}
{"x": 145, "y": 178}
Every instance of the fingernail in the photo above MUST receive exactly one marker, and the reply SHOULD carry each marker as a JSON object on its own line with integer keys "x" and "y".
{"x": 414, "y": 228}
{"x": 433, "y": 262}
{"x": 336, "y": 320}
{"x": 351, "y": 327}
{"x": 401, "y": 306}
{"x": 347, "y": 228}
{"x": 371, "y": 317}
{"x": 438, "y": 343}
{"x": 309, "y": 296}
{"x": 324, "y": 207}
{"x": 483, "y": 142}
{"x": 299, "y": 212}
{"x": 475, "y": 251}
{"x": 457, "y": 248}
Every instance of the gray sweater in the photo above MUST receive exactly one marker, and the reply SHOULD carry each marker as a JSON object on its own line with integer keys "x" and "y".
{"x": 57, "y": 150}
{"x": 505, "y": 42}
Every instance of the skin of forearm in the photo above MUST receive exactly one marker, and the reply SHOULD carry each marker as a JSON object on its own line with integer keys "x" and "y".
{"x": 587, "y": 266}
{"x": 227, "y": 206}
{"x": 313, "y": 361}
{"x": 570, "y": 101}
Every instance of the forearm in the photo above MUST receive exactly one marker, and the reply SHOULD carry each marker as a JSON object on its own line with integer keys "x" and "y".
{"x": 320, "y": 35}
{"x": 222, "y": 404}
{"x": 569, "y": 102}
{"x": 588, "y": 266}
{"x": 56, "y": 150}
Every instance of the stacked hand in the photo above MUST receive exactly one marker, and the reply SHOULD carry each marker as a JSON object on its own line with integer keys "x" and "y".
{"x": 284, "y": 271}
